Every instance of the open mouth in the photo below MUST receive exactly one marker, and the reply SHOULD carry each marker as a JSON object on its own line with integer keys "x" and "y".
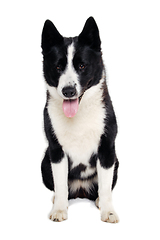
{"x": 70, "y": 106}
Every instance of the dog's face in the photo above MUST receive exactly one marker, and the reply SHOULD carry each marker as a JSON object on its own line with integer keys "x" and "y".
{"x": 71, "y": 65}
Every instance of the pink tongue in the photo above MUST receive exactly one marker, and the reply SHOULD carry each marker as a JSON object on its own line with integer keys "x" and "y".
{"x": 70, "y": 107}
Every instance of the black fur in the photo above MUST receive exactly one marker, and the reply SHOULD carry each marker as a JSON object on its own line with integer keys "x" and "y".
{"x": 47, "y": 172}
{"x": 55, "y": 150}
{"x": 88, "y": 54}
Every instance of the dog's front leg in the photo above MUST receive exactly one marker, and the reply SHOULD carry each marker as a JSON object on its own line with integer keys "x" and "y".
{"x": 60, "y": 178}
{"x": 105, "y": 178}
{"x": 105, "y": 171}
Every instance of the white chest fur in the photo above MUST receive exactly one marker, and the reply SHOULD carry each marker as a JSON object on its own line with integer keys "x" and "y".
{"x": 79, "y": 136}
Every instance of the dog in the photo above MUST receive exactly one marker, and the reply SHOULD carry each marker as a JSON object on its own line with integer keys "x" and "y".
{"x": 79, "y": 122}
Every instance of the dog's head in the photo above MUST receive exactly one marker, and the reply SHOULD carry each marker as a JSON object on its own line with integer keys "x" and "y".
{"x": 71, "y": 65}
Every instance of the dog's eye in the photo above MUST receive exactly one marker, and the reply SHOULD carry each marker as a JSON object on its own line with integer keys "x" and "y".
{"x": 58, "y": 67}
{"x": 82, "y": 66}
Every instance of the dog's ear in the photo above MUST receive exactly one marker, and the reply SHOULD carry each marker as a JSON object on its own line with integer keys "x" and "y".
{"x": 90, "y": 35}
{"x": 50, "y": 36}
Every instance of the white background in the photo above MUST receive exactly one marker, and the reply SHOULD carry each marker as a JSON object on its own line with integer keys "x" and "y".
{"x": 130, "y": 33}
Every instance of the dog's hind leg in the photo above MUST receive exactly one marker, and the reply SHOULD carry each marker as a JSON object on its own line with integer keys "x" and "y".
{"x": 47, "y": 172}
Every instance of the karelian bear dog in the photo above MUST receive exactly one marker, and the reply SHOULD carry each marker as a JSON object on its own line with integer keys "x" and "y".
{"x": 79, "y": 122}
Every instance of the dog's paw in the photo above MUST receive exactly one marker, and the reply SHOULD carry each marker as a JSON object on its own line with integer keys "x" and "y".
{"x": 58, "y": 215}
{"x": 111, "y": 217}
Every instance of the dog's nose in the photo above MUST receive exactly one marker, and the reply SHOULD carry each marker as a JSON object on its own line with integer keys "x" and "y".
{"x": 69, "y": 91}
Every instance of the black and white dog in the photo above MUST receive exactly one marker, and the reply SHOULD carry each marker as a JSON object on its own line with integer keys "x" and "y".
{"x": 79, "y": 122}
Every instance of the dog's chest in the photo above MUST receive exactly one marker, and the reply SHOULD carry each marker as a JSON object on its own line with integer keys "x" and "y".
{"x": 79, "y": 136}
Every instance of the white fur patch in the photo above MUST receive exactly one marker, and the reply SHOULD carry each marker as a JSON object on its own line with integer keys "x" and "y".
{"x": 60, "y": 177}
{"x": 79, "y": 136}
{"x": 88, "y": 172}
{"x": 86, "y": 184}
{"x": 69, "y": 77}
{"x": 105, "y": 179}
